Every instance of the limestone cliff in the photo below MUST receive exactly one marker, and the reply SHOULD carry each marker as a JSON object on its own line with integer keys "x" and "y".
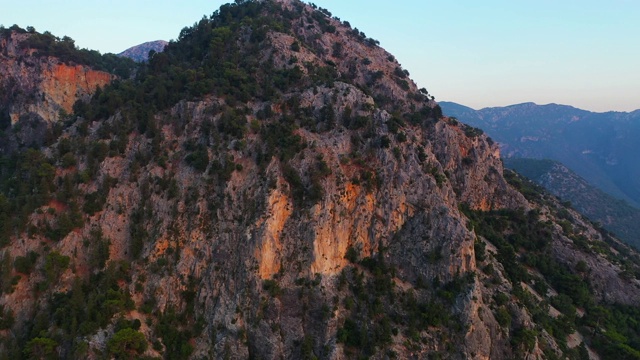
{"x": 40, "y": 89}
{"x": 275, "y": 186}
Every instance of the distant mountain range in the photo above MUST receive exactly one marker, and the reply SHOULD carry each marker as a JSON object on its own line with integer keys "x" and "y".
{"x": 613, "y": 214}
{"x": 140, "y": 53}
{"x": 602, "y": 148}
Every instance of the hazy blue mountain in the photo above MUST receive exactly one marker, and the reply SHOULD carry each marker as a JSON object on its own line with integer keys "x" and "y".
{"x": 602, "y": 148}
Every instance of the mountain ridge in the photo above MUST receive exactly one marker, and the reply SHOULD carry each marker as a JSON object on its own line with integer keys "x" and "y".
{"x": 597, "y": 146}
{"x": 531, "y": 103}
{"x": 615, "y": 215}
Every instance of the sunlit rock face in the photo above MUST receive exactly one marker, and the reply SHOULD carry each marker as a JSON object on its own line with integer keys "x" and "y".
{"x": 42, "y": 85}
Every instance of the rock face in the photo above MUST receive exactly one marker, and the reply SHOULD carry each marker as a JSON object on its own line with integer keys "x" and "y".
{"x": 140, "y": 53}
{"x": 300, "y": 199}
{"x": 42, "y": 86}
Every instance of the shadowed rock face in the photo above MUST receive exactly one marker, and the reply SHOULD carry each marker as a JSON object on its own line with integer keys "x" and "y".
{"x": 304, "y": 199}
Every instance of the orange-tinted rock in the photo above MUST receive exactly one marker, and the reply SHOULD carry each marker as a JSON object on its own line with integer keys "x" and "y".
{"x": 64, "y": 84}
{"x": 42, "y": 85}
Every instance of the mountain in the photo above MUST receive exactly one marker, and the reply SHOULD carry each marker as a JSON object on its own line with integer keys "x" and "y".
{"x": 615, "y": 215}
{"x": 273, "y": 185}
{"x": 600, "y": 147}
{"x": 140, "y": 53}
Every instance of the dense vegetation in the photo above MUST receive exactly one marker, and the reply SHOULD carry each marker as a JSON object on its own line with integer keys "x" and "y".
{"x": 378, "y": 310}
{"x": 203, "y": 61}
{"x": 614, "y": 214}
{"x": 221, "y": 55}
{"x": 523, "y": 243}
{"x": 373, "y": 310}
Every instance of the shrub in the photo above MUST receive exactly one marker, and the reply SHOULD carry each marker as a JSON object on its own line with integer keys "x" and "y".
{"x": 41, "y": 348}
{"x": 349, "y": 334}
{"x": 25, "y": 264}
{"x": 385, "y": 142}
{"x": 501, "y": 298}
{"x": 582, "y": 266}
{"x": 6, "y": 318}
{"x": 472, "y": 132}
{"x": 479, "y": 248}
{"x": 233, "y": 123}
{"x": 503, "y": 317}
{"x": 126, "y": 343}
{"x": 351, "y": 255}
{"x": 199, "y": 159}
{"x": 272, "y": 287}
{"x": 68, "y": 160}
{"x": 524, "y": 338}
{"x": 55, "y": 264}
{"x": 400, "y": 73}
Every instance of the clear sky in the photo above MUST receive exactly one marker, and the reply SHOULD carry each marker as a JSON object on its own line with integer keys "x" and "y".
{"x": 584, "y": 53}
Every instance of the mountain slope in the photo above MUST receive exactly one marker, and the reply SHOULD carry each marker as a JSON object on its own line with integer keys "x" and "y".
{"x": 615, "y": 215}
{"x": 140, "y": 52}
{"x": 273, "y": 185}
{"x": 599, "y": 147}
{"x": 41, "y": 78}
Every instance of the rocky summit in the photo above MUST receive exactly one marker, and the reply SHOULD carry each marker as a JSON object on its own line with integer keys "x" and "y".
{"x": 141, "y": 52}
{"x": 274, "y": 186}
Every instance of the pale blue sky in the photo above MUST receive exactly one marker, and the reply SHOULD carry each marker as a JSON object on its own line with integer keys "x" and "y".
{"x": 584, "y": 53}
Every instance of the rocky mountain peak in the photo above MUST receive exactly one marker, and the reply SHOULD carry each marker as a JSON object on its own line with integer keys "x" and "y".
{"x": 140, "y": 52}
